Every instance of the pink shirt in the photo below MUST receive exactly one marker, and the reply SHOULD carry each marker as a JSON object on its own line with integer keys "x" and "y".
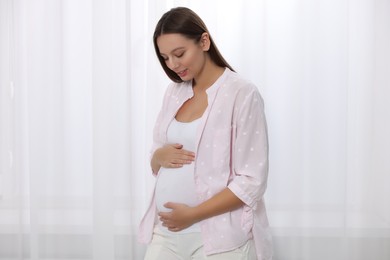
{"x": 232, "y": 151}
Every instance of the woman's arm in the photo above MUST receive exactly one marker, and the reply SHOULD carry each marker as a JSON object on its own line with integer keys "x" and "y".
{"x": 183, "y": 216}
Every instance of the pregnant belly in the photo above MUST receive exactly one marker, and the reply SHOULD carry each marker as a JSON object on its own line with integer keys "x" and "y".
{"x": 175, "y": 185}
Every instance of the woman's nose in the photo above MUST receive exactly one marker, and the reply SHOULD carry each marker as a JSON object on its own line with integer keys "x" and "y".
{"x": 173, "y": 64}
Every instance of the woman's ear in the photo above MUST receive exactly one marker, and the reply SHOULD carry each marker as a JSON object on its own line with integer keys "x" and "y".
{"x": 205, "y": 41}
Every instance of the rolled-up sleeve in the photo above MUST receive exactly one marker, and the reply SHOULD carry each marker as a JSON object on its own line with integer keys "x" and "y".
{"x": 250, "y": 148}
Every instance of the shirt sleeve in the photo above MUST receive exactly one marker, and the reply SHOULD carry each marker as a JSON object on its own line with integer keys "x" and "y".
{"x": 250, "y": 148}
{"x": 158, "y": 140}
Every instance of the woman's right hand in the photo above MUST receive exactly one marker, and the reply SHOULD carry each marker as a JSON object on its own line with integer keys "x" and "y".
{"x": 171, "y": 156}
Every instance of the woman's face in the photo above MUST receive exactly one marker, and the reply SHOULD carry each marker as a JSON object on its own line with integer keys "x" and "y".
{"x": 182, "y": 55}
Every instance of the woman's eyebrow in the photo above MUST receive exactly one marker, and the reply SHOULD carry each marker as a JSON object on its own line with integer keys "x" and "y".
{"x": 178, "y": 48}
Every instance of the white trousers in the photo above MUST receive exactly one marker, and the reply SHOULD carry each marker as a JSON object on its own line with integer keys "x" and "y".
{"x": 190, "y": 247}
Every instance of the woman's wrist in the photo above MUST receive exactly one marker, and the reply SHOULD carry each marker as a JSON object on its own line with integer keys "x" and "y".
{"x": 154, "y": 163}
{"x": 196, "y": 214}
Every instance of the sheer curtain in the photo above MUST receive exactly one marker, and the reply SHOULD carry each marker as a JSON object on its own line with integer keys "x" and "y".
{"x": 80, "y": 88}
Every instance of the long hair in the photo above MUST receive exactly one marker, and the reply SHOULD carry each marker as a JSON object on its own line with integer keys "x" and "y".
{"x": 187, "y": 23}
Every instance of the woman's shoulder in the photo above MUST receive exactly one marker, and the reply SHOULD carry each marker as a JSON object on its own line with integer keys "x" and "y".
{"x": 238, "y": 82}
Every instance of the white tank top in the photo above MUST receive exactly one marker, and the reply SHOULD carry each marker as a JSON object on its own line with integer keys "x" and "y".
{"x": 177, "y": 184}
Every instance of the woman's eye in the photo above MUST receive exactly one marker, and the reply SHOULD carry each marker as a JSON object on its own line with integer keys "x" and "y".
{"x": 180, "y": 55}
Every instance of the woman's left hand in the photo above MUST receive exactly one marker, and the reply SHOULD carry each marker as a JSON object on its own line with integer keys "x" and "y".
{"x": 181, "y": 216}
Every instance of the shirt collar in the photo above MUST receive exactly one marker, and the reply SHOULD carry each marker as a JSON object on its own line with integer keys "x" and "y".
{"x": 213, "y": 88}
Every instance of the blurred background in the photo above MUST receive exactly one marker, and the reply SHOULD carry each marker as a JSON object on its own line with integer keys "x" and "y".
{"x": 80, "y": 88}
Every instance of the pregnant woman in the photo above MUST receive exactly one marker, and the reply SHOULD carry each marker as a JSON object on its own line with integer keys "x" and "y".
{"x": 209, "y": 154}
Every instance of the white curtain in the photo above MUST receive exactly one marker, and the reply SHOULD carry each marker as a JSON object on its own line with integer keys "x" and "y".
{"x": 80, "y": 88}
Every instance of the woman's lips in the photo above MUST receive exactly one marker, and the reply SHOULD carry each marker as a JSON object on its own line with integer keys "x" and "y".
{"x": 182, "y": 73}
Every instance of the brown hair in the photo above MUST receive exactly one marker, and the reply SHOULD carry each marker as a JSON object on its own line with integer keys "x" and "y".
{"x": 186, "y": 22}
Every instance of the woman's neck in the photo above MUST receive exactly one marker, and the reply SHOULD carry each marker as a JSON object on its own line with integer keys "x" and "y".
{"x": 210, "y": 73}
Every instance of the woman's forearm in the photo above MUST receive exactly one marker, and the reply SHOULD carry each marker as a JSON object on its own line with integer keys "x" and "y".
{"x": 220, "y": 203}
{"x": 183, "y": 216}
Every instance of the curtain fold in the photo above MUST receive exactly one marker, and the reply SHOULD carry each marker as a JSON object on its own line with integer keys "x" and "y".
{"x": 80, "y": 88}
